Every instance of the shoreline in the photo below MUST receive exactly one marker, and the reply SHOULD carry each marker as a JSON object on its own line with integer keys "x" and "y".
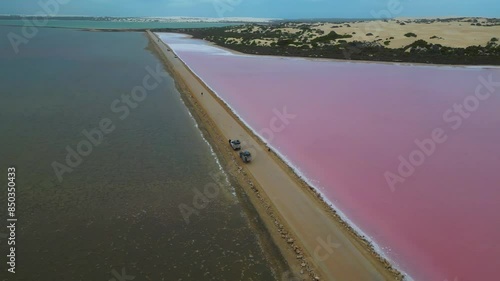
{"x": 356, "y": 253}
{"x": 252, "y": 205}
{"x": 308, "y": 186}
{"x": 458, "y": 41}
{"x": 234, "y": 51}
{"x": 402, "y": 63}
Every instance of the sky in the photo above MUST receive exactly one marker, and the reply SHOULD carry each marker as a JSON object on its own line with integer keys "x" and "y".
{"x": 287, "y": 9}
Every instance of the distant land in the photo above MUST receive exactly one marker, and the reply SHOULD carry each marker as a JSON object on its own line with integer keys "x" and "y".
{"x": 456, "y": 41}
{"x": 147, "y": 19}
{"x": 444, "y": 40}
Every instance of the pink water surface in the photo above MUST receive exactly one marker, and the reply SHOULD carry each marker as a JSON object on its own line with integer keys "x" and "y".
{"x": 353, "y": 121}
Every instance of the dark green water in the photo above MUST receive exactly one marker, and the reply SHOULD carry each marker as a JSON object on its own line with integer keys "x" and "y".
{"x": 119, "y": 208}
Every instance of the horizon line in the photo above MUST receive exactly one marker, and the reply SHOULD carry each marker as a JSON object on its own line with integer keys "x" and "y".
{"x": 248, "y": 17}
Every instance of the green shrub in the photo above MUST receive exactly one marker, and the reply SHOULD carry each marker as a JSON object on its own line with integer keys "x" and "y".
{"x": 284, "y": 42}
{"x": 419, "y": 43}
{"x": 331, "y": 36}
{"x": 410, "y": 34}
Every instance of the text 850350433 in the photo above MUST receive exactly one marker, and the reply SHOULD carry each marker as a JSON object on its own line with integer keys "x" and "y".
{"x": 11, "y": 219}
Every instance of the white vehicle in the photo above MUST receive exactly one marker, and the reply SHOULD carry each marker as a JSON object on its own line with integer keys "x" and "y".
{"x": 235, "y": 144}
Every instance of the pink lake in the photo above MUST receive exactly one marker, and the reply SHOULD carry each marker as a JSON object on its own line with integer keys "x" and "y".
{"x": 352, "y": 123}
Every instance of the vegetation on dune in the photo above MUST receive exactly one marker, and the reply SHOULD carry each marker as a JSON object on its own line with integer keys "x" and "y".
{"x": 410, "y": 34}
{"x": 330, "y": 36}
{"x": 308, "y": 40}
{"x": 284, "y": 42}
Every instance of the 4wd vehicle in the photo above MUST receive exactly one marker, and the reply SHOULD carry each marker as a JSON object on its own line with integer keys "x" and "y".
{"x": 235, "y": 144}
{"x": 246, "y": 156}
